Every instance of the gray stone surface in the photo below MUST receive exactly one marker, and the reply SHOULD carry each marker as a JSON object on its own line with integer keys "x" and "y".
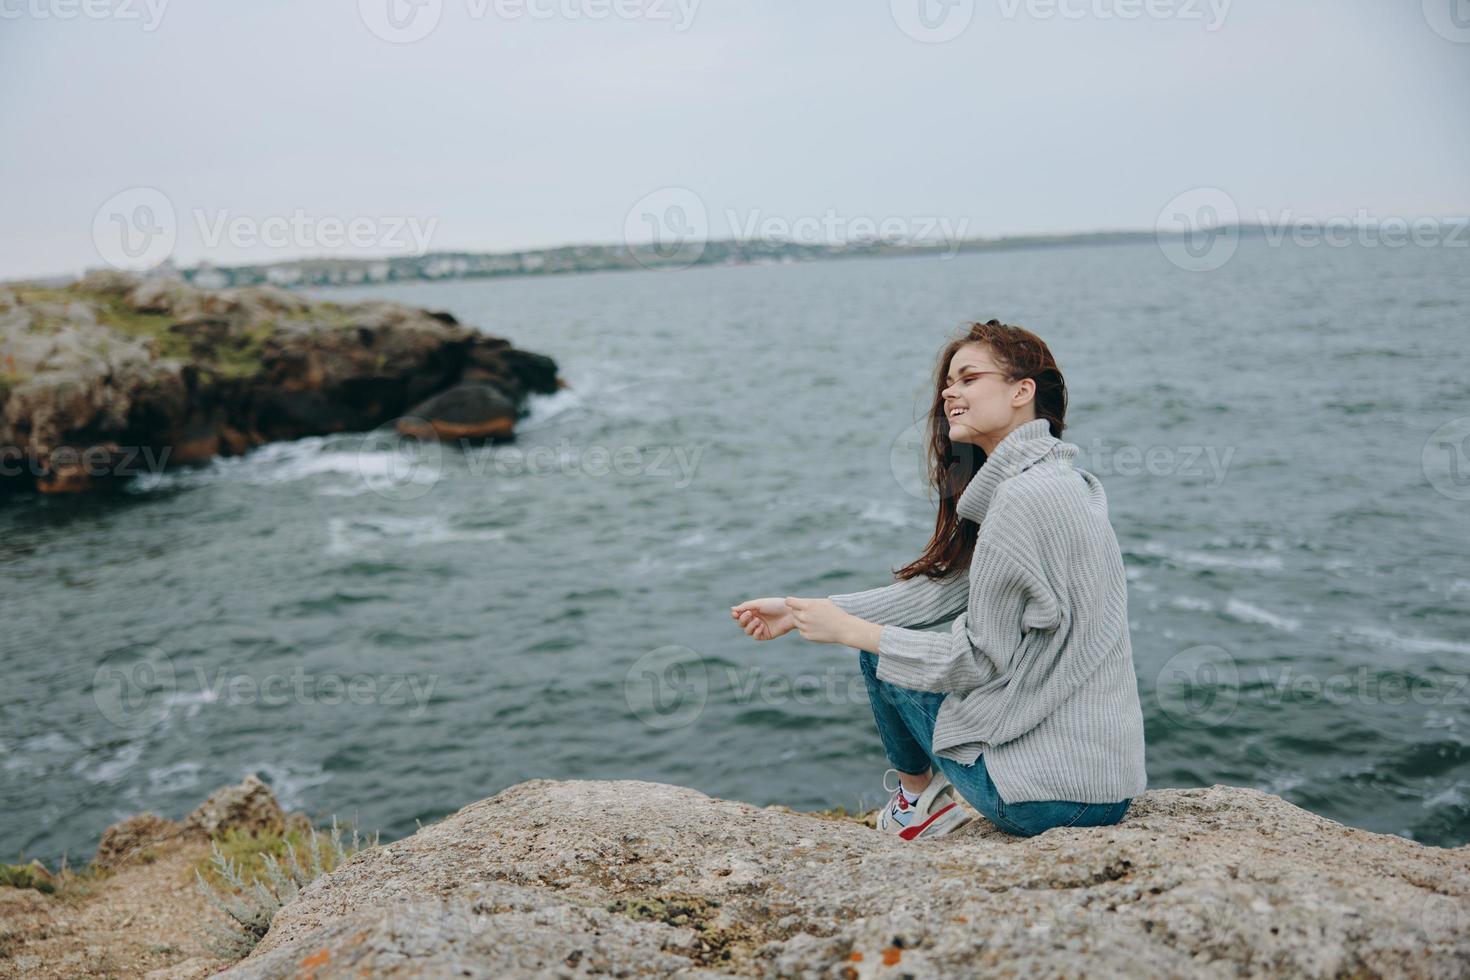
{"x": 642, "y": 879}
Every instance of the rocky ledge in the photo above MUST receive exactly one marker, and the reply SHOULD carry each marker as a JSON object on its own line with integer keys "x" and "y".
{"x": 629, "y": 878}
{"x": 115, "y": 375}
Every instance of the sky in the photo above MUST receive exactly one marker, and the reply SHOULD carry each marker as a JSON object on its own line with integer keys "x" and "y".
{"x": 231, "y": 132}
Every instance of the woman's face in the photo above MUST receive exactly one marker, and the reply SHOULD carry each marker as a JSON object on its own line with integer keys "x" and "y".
{"x": 980, "y": 403}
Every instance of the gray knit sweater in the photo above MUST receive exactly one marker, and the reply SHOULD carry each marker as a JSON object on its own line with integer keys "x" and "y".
{"x": 1038, "y": 665}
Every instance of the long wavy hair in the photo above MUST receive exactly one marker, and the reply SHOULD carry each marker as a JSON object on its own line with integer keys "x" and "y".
{"x": 1021, "y": 354}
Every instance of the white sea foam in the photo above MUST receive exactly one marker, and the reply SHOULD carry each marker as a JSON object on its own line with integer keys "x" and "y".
{"x": 352, "y": 535}
{"x": 1206, "y": 559}
{"x": 289, "y": 780}
{"x": 1408, "y": 644}
{"x": 1450, "y": 796}
{"x": 889, "y": 514}
{"x": 1190, "y": 603}
{"x": 175, "y": 778}
{"x": 1244, "y": 612}
{"x": 110, "y": 768}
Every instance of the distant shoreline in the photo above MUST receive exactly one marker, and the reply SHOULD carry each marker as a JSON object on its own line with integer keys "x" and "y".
{"x": 579, "y": 259}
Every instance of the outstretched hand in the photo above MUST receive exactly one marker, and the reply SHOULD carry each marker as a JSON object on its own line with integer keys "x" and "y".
{"x": 764, "y": 619}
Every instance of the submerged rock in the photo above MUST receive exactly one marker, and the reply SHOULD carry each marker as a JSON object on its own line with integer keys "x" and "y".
{"x": 625, "y": 878}
{"x": 467, "y": 411}
{"x": 114, "y": 376}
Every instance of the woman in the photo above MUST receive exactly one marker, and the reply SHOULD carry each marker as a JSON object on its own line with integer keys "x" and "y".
{"x": 1028, "y": 706}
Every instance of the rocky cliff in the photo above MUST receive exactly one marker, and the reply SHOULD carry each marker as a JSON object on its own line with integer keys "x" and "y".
{"x": 641, "y": 879}
{"x": 114, "y": 375}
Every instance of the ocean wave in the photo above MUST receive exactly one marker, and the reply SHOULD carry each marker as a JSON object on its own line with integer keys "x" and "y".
{"x": 1205, "y": 559}
{"x": 1407, "y": 644}
{"x": 1244, "y": 612}
{"x": 354, "y": 535}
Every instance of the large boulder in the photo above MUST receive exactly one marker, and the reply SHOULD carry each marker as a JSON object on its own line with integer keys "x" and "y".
{"x": 624, "y": 878}
{"x": 467, "y": 411}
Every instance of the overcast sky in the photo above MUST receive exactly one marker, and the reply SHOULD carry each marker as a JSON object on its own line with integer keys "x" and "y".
{"x": 526, "y": 123}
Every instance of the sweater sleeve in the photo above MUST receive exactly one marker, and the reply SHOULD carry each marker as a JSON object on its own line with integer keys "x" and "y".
{"x": 918, "y": 602}
{"x": 973, "y": 654}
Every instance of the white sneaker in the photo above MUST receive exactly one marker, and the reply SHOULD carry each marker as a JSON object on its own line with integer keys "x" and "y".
{"x": 935, "y": 813}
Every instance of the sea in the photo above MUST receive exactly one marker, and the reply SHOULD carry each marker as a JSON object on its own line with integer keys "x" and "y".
{"x": 387, "y": 631}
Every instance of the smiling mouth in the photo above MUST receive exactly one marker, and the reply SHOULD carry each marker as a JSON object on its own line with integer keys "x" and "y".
{"x": 955, "y": 412}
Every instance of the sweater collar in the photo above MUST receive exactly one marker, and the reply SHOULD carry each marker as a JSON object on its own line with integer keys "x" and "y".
{"x": 1022, "y": 447}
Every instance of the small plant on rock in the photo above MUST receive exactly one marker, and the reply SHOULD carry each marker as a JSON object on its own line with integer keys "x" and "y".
{"x": 256, "y": 886}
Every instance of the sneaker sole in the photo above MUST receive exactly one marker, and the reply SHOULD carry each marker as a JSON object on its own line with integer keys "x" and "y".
{"x": 941, "y": 822}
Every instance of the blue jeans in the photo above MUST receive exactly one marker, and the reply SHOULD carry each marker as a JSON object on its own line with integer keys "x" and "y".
{"x": 906, "y": 725}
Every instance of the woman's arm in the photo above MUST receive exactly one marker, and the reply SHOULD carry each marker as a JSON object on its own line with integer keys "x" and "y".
{"x": 916, "y": 602}
{"x": 972, "y": 654}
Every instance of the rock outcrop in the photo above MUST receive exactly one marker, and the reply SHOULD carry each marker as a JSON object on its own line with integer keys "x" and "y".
{"x": 626, "y": 878}
{"x": 250, "y": 807}
{"x": 116, "y": 375}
